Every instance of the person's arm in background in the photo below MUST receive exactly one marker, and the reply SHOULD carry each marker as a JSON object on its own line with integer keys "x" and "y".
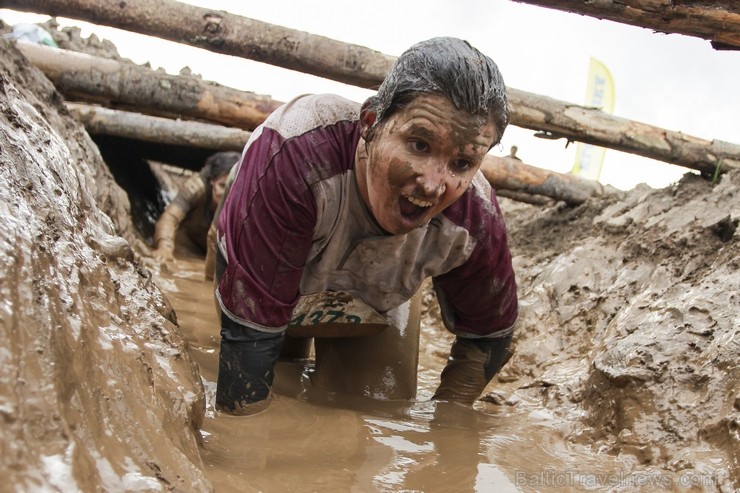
{"x": 212, "y": 235}
{"x": 165, "y": 230}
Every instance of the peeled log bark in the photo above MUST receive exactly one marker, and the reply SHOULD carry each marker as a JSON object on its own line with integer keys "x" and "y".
{"x": 524, "y": 197}
{"x": 124, "y": 84}
{"x": 511, "y": 174}
{"x": 593, "y": 126}
{"x": 220, "y": 32}
{"x": 717, "y": 20}
{"x": 105, "y": 121}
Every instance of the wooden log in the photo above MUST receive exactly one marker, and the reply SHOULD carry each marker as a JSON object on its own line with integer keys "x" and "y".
{"x": 717, "y": 21}
{"x": 525, "y": 197}
{"x": 217, "y": 31}
{"x": 127, "y": 85}
{"x": 593, "y": 126}
{"x": 226, "y": 33}
{"x": 510, "y": 177}
{"x": 105, "y": 121}
{"x": 504, "y": 173}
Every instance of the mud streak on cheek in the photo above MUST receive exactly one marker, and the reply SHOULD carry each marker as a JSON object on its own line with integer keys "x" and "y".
{"x": 398, "y": 171}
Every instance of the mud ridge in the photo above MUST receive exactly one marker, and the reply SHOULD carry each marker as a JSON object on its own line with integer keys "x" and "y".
{"x": 629, "y": 325}
{"x": 97, "y": 390}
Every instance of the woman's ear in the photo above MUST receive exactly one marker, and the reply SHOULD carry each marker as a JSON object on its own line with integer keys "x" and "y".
{"x": 367, "y": 120}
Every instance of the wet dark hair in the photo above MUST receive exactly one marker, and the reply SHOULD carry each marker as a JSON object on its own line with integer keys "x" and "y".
{"x": 218, "y": 164}
{"x": 450, "y": 67}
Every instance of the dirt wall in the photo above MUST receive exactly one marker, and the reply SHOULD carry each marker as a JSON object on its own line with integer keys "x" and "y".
{"x": 629, "y": 327}
{"x": 97, "y": 388}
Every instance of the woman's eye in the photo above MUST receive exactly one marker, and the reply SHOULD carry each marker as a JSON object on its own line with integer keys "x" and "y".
{"x": 461, "y": 165}
{"x": 418, "y": 145}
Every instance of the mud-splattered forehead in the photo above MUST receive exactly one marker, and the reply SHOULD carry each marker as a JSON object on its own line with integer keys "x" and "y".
{"x": 450, "y": 67}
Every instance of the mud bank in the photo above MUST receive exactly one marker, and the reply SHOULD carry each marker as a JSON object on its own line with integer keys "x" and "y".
{"x": 98, "y": 391}
{"x": 630, "y": 325}
{"x": 625, "y": 362}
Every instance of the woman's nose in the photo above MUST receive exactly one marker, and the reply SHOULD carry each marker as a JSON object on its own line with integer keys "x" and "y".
{"x": 432, "y": 179}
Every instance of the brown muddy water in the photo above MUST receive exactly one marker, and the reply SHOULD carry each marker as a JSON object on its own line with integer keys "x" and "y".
{"x": 309, "y": 442}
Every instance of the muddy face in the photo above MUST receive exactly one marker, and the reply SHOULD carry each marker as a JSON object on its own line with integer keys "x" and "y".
{"x": 419, "y": 161}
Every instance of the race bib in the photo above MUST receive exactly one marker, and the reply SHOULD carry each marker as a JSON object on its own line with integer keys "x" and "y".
{"x": 334, "y": 314}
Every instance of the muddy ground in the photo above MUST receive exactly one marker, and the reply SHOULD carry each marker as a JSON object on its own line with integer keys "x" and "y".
{"x": 624, "y": 375}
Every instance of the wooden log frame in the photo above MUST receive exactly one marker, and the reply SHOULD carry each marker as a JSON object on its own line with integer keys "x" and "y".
{"x": 525, "y": 183}
{"x": 593, "y": 126}
{"x": 127, "y": 85}
{"x": 105, "y": 121}
{"x": 717, "y": 20}
{"x": 124, "y": 84}
{"x": 226, "y": 33}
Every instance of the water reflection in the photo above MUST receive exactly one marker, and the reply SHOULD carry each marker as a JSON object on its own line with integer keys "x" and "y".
{"x": 352, "y": 445}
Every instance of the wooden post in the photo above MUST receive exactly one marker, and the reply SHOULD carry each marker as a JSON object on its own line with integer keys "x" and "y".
{"x": 505, "y": 173}
{"x": 226, "y": 33}
{"x": 593, "y": 126}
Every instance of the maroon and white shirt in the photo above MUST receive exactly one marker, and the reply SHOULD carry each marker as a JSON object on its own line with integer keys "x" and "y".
{"x": 294, "y": 224}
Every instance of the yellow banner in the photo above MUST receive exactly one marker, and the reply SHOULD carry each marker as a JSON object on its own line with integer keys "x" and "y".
{"x": 599, "y": 94}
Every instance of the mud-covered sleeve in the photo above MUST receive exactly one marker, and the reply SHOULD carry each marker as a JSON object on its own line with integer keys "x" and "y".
{"x": 189, "y": 194}
{"x": 267, "y": 221}
{"x": 479, "y": 298}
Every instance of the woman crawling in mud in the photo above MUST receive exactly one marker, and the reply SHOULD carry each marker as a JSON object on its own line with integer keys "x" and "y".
{"x": 336, "y": 214}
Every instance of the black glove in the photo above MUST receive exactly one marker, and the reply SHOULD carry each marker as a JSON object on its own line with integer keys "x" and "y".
{"x": 472, "y": 364}
{"x": 245, "y": 367}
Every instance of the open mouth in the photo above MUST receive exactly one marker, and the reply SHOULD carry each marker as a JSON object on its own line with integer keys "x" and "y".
{"x": 412, "y": 207}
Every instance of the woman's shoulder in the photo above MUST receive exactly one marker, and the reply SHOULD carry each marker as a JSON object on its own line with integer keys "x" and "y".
{"x": 307, "y": 112}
